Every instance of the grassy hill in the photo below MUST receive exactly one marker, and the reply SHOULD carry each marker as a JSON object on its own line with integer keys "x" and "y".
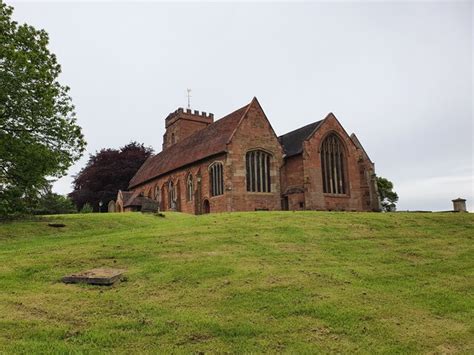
{"x": 243, "y": 282}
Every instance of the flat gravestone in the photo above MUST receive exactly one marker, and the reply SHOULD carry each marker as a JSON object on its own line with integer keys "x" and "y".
{"x": 56, "y": 225}
{"x": 99, "y": 276}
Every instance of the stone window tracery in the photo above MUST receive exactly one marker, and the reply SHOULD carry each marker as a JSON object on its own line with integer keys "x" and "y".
{"x": 333, "y": 165}
{"x": 257, "y": 163}
{"x": 216, "y": 179}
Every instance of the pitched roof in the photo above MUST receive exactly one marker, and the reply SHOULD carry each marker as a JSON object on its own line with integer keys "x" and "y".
{"x": 207, "y": 142}
{"x": 126, "y": 195}
{"x": 138, "y": 201}
{"x": 292, "y": 142}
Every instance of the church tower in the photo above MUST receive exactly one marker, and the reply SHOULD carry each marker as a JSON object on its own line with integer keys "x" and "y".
{"x": 183, "y": 123}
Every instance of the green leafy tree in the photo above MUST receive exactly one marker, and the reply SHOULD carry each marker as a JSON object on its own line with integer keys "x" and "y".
{"x": 39, "y": 136}
{"x": 388, "y": 197}
{"x": 52, "y": 203}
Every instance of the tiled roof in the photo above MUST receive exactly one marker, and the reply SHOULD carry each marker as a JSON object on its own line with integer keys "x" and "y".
{"x": 126, "y": 195}
{"x": 292, "y": 142}
{"x": 138, "y": 201}
{"x": 207, "y": 142}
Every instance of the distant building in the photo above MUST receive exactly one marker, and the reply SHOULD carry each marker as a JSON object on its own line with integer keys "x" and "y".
{"x": 459, "y": 205}
{"x": 237, "y": 163}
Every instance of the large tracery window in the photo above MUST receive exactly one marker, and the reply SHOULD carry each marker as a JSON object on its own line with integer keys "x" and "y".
{"x": 189, "y": 188}
{"x": 257, "y": 165}
{"x": 333, "y": 165}
{"x": 216, "y": 179}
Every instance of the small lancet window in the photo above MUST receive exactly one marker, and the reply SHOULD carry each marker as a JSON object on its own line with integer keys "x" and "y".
{"x": 171, "y": 195}
{"x": 257, "y": 164}
{"x": 189, "y": 188}
{"x": 157, "y": 193}
{"x": 333, "y": 165}
{"x": 216, "y": 179}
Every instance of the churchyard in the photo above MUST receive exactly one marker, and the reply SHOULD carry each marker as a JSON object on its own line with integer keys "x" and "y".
{"x": 290, "y": 282}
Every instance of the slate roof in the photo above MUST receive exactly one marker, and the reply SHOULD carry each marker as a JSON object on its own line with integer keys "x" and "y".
{"x": 207, "y": 142}
{"x": 292, "y": 142}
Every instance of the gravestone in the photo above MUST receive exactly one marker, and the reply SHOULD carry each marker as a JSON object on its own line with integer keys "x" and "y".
{"x": 111, "y": 207}
{"x": 100, "y": 276}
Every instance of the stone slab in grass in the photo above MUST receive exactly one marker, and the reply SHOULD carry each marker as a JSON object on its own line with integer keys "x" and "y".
{"x": 100, "y": 276}
{"x": 56, "y": 225}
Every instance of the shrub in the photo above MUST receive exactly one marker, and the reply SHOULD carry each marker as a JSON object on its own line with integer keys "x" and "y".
{"x": 52, "y": 203}
{"x": 87, "y": 208}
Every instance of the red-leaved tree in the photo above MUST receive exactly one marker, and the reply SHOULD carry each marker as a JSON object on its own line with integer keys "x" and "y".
{"x": 106, "y": 172}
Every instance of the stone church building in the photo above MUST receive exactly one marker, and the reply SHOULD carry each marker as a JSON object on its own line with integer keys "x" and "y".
{"x": 238, "y": 163}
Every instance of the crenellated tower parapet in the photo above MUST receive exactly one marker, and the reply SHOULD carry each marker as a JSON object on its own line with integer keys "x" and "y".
{"x": 184, "y": 122}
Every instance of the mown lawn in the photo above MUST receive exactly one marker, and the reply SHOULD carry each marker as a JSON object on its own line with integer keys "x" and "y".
{"x": 295, "y": 282}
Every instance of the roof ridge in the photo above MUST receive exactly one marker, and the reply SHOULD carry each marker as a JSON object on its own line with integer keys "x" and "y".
{"x": 247, "y": 107}
{"x": 199, "y": 145}
{"x": 292, "y": 141}
{"x": 301, "y": 128}
{"x": 201, "y": 131}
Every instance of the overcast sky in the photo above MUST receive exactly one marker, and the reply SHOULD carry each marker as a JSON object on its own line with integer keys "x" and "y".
{"x": 399, "y": 75}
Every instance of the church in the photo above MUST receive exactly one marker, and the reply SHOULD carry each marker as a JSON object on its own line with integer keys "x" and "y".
{"x": 238, "y": 163}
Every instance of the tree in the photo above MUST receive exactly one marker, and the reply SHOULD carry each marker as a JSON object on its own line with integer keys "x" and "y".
{"x": 39, "y": 137}
{"x": 87, "y": 208}
{"x": 52, "y": 203}
{"x": 388, "y": 197}
{"x": 106, "y": 172}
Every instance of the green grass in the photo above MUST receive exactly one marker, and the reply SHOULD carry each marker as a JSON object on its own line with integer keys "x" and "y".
{"x": 295, "y": 282}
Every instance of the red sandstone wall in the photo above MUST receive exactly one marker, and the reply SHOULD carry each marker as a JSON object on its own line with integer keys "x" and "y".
{"x": 356, "y": 198}
{"x": 181, "y": 130}
{"x": 293, "y": 173}
{"x": 217, "y": 203}
{"x": 182, "y": 123}
{"x": 254, "y": 132}
{"x": 292, "y": 182}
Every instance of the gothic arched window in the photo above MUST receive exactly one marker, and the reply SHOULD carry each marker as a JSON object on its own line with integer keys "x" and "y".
{"x": 171, "y": 195}
{"x": 257, "y": 165}
{"x": 333, "y": 165}
{"x": 157, "y": 193}
{"x": 189, "y": 187}
{"x": 216, "y": 179}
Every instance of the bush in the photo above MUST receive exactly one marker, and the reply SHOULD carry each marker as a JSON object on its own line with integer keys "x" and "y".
{"x": 87, "y": 208}
{"x": 388, "y": 197}
{"x": 52, "y": 203}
